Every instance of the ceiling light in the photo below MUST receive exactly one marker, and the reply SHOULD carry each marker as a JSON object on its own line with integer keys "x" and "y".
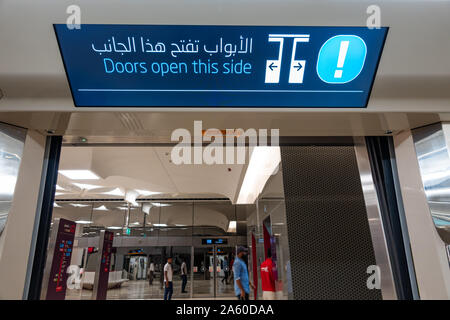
{"x": 180, "y": 225}
{"x": 86, "y": 186}
{"x": 83, "y": 221}
{"x": 146, "y": 192}
{"x": 135, "y": 223}
{"x": 262, "y": 164}
{"x": 101, "y": 208}
{"x": 114, "y": 228}
{"x": 79, "y": 205}
{"x": 59, "y": 188}
{"x": 115, "y": 192}
{"x": 157, "y": 204}
{"x": 7, "y": 185}
{"x": 160, "y": 225}
{"x": 232, "y": 226}
{"x": 55, "y": 205}
{"x": 79, "y": 174}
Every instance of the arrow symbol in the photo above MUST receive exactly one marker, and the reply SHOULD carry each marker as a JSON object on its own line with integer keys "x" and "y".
{"x": 271, "y": 66}
{"x": 298, "y": 67}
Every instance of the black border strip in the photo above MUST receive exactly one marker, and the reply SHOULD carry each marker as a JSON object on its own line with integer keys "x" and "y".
{"x": 40, "y": 255}
{"x": 382, "y": 173}
{"x": 283, "y": 141}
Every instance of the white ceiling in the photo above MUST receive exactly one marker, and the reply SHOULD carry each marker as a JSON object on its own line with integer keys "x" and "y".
{"x": 145, "y": 168}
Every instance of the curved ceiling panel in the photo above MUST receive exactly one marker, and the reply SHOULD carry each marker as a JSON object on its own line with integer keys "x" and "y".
{"x": 126, "y": 169}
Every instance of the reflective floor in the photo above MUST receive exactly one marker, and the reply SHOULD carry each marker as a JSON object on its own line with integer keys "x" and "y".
{"x": 141, "y": 290}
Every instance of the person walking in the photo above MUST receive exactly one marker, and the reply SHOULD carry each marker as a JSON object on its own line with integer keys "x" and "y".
{"x": 225, "y": 269}
{"x": 183, "y": 276}
{"x": 231, "y": 264}
{"x": 168, "y": 275}
{"x": 241, "y": 282}
{"x": 267, "y": 277}
{"x": 151, "y": 272}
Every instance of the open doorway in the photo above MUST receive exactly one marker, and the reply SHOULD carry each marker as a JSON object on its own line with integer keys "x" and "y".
{"x": 154, "y": 210}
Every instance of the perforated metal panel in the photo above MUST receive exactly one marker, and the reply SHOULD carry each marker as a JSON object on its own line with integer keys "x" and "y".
{"x": 329, "y": 237}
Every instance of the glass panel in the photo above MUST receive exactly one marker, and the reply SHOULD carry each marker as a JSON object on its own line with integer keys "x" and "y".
{"x": 270, "y": 234}
{"x": 11, "y": 148}
{"x": 150, "y": 226}
{"x": 273, "y": 211}
{"x": 431, "y": 144}
{"x": 181, "y": 255}
{"x": 272, "y": 205}
{"x": 203, "y": 272}
{"x": 224, "y": 277}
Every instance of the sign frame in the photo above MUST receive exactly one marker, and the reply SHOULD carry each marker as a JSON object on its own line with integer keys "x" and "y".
{"x": 197, "y": 108}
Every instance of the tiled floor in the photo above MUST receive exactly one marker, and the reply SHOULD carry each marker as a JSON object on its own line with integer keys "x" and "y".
{"x": 141, "y": 290}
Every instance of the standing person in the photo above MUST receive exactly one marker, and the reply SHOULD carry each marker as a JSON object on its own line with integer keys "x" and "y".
{"x": 267, "y": 278}
{"x": 168, "y": 275}
{"x": 151, "y": 271}
{"x": 183, "y": 276}
{"x": 135, "y": 268}
{"x": 241, "y": 282}
{"x": 225, "y": 270}
{"x": 231, "y": 267}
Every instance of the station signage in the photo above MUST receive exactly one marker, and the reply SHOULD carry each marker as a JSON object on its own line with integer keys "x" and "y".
{"x": 61, "y": 240}
{"x": 215, "y": 241}
{"x": 220, "y": 66}
{"x": 103, "y": 265}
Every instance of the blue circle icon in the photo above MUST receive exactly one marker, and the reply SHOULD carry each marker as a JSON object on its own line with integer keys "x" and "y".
{"x": 341, "y": 59}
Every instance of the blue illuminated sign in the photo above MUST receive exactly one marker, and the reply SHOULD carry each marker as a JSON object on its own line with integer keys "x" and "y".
{"x": 214, "y": 241}
{"x": 220, "y": 66}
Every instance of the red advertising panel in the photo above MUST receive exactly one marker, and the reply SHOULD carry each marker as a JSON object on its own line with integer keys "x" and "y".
{"x": 57, "y": 283}
{"x": 105, "y": 263}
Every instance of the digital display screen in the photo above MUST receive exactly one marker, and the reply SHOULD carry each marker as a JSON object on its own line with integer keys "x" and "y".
{"x": 215, "y": 241}
{"x": 220, "y": 66}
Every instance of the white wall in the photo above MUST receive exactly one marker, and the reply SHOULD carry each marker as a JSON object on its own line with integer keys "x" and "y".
{"x": 16, "y": 239}
{"x": 428, "y": 250}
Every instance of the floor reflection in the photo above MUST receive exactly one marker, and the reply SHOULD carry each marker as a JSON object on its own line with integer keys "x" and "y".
{"x": 142, "y": 290}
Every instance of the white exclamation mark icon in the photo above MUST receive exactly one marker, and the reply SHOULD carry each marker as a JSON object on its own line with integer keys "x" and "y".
{"x": 341, "y": 58}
